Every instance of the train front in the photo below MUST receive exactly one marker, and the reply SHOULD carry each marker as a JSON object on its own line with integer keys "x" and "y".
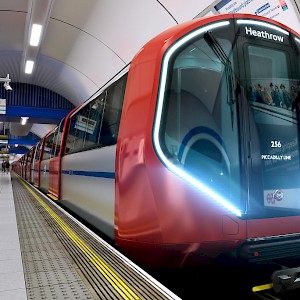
{"x": 208, "y": 149}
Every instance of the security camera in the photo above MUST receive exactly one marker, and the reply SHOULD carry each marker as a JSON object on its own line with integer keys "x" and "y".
{"x": 7, "y": 86}
{"x": 6, "y": 81}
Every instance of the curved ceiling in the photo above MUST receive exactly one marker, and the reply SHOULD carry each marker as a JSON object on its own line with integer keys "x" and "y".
{"x": 84, "y": 43}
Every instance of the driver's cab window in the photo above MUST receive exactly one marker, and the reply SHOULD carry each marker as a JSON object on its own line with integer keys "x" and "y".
{"x": 199, "y": 125}
{"x": 272, "y": 90}
{"x": 268, "y": 80}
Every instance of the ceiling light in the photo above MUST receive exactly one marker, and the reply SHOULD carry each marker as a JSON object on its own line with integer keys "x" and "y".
{"x": 24, "y": 120}
{"x": 259, "y": 23}
{"x": 36, "y": 31}
{"x": 29, "y": 66}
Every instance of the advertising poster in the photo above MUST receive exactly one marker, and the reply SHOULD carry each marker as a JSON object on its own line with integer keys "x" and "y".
{"x": 279, "y": 10}
{"x": 2, "y": 106}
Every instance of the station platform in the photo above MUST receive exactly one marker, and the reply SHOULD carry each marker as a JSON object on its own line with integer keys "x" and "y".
{"x": 45, "y": 253}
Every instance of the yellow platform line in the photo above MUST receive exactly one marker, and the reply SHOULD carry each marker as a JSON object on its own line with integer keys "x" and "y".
{"x": 262, "y": 287}
{"x": 52, "y": 196}
{"x": 117, "y": 283}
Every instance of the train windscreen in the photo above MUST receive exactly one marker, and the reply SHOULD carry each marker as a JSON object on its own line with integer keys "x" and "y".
{"x": 199, "y": 128}
{"x": 272, "y": 95}
{"x": 229, "y": 116}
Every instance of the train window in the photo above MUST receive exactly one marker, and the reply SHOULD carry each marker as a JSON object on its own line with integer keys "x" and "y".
{"x": 198, "y": 130}
{"x": 97, "y": 110}
{"x": 48, "y": 147}
{"x": 111, "y": 117}
{"x": 28, "y": 158}
{"x": 52, "y": 153}
{"x": 269, "y": 82}
{"x": 82, "y": 125}
{"x": 57, "y": 139}
{"x": 97, "y": 123}
{"x": 71, "y": 136}
{"x": 272, "y": 100}
{"x": 110, "y": 121}
{"x": 37, "y": 151}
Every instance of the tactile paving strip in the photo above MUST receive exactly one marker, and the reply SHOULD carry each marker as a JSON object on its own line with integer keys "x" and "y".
{"x": 49, "y": 273}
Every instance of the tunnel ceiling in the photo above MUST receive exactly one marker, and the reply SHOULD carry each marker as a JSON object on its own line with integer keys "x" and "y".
{"x": 84, "y": 42}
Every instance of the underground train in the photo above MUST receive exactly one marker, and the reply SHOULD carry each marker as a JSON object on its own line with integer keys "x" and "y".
{"x": 191, "y": 151}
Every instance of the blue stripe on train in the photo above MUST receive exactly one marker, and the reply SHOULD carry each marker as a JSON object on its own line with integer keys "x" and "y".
{"x": 90, "y": 173}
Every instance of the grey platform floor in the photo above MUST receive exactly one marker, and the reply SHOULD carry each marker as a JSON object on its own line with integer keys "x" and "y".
{"x": 43, "y": 256}
{"x": 12, "y": 282}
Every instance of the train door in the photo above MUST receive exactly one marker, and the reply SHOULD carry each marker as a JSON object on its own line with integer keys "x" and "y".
{"x": 28, "y": 164}
{"x": 54, "y": 167}
{"x": 45, "y": 162}
{"x": 31, "y": 171}
{"x": 269, "y": 127}
{"x": 37, "y": 163}
{"x": 22, "y": 166}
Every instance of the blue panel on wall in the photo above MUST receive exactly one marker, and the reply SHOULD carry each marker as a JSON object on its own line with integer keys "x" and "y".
{"x": 29, "y": 95}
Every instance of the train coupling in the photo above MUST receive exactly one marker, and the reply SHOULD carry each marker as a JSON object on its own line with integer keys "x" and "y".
{"x": 286, "y": 279}
{"x": 282, "y": 281}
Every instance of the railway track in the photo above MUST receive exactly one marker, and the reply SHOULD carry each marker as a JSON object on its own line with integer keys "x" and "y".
{"x": 229, "y": 278}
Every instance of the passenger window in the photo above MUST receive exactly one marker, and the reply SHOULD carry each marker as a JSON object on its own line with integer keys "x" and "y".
{"x": 54, "y": 143}
{"x": 38, "y": 151}
{"x": 107, "y": 134}
{"x": 48, "y": 147}
{"x": 112, "y": 114}
{"x": 82, "y": 125}
{"x": 97, "y": 123}
{"x": 57, "y": 139}
{"x": 269, "y": 82}
{"x": 93, "y": 132}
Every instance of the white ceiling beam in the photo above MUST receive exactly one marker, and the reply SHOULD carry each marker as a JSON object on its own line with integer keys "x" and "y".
{"x": 38, "y": 13}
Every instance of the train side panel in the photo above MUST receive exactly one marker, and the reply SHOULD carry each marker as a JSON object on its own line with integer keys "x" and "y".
{"x": 31, "y": 175}
{"x": 37, "y": 164}
{"x": 36, "y": 176}
{"x": 54, "y": 177}
{"x": 88, "y": 186}
{"x": 27, "y": 165}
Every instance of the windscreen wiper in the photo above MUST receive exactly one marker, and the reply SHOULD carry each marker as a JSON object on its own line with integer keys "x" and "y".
{"x": 224, "y": 59}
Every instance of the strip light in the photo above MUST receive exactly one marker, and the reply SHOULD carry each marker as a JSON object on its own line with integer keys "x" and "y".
{"x": 259, "y": 23}
{"x": 29, "y": 66}
{"x": 35, "y": 37}
{"x": 170, "y": 165}
{"x": 24, "y": 120}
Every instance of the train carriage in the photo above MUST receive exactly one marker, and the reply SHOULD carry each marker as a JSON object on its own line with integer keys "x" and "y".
{"x": 193, "y": 149}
